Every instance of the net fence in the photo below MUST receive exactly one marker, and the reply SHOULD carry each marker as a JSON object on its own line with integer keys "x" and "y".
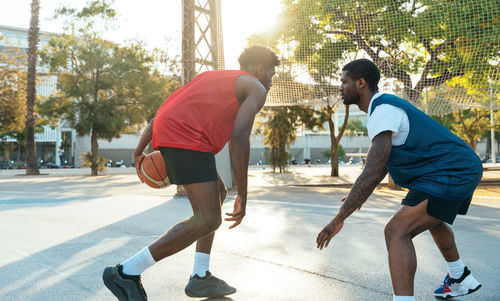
{"x": 441, "y": 55}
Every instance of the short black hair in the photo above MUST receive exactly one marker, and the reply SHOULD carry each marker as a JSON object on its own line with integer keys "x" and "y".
{"x": 363, "y": 68}
{"x": 255, "y": 55}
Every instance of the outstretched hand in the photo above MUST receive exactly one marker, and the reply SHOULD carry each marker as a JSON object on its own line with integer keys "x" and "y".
{"x": 238, "y": 214}
{"x": 138, "y": 161}
{"x": 328, "y": 232}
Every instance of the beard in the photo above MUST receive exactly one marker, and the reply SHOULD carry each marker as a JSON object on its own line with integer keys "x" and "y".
{"x": 351, "y": 98}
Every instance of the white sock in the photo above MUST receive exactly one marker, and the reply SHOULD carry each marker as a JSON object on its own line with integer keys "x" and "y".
{"x": 138, "y": 263}
{"x": 201, "y": 264}
{"x": 403, "y": 298}
{"x": 455, "y": 268}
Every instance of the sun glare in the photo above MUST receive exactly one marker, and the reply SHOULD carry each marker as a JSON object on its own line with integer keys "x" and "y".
{"x": 241, "y": 19}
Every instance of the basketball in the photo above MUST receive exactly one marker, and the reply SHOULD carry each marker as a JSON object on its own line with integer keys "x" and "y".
{"x": 153, "y": 170}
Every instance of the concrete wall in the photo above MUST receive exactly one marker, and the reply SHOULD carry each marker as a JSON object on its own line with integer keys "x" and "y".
{"x": 117, "y": 149}
{"x": 306, "y": 146}
{"x": 223, "y": 163}
{"x": 309, "y": 146}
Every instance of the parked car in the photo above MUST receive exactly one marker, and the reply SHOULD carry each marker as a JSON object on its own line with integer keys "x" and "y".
{"x": 487, "y": 159}
{"x": 51, "y": 165}
{"x": 6, "y": 165}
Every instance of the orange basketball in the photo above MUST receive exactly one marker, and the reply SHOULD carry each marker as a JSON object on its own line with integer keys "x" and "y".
{"x": 153, "y": 171}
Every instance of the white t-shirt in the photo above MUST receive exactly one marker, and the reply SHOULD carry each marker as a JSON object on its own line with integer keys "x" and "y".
{"x": 387, "y": 117}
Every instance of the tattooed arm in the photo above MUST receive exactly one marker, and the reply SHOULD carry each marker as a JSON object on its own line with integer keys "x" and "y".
{"x": 372, "y": 174}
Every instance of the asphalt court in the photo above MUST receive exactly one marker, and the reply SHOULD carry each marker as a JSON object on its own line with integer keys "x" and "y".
{"x": 60, "y": 230}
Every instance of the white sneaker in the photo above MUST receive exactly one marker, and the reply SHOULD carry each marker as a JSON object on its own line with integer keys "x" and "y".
{"x": 457, "y": 287}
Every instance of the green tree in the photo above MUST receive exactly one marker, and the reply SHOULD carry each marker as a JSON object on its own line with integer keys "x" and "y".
{"x": 12, "y": 91}
{"x": 355, "y": 127}
{"x": 104, "y": 89}
{"x": 286, "y": 87}
{"x": 496, "y": 128}
{"x": 340, "y": 153}
{"x": 436, "y": 40}
{"x": 470, "y": 125}
{"x": 280, "y": 130}
{"x": 164, "y": 79}
{"x": 31, "y": 156}
{"x": 496, "y": 119}
{"x": 328, "y": 112}
{"x": 419, "y": 43}
{"x": 280, "y": 133}
{"x": 13, "y": 103}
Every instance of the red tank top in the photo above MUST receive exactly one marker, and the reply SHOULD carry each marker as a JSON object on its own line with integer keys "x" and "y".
{"x": 200, "y": 115}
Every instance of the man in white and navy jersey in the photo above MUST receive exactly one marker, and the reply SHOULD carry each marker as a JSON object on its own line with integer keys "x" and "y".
{"x": 440, "y": 170}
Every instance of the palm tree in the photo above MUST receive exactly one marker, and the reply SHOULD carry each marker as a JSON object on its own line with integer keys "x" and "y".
{"x": 31, "y": 159}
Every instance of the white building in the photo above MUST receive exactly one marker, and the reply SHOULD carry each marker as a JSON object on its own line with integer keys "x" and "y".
{"x": 51, "y": 140}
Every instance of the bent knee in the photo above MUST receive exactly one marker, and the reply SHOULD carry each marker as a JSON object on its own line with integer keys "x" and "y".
{"x": 394, "y": 230}
{"x": 214, "y": 224}
{"x": 209, "y": 222}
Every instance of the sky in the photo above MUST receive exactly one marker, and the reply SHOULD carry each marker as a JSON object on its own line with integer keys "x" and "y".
{"x": 157, "y": 22}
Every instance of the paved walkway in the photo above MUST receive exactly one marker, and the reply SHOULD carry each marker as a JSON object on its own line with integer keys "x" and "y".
{"x": 258, "y": 175}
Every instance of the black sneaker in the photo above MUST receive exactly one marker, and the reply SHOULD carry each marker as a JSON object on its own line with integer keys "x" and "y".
{"x": 457, "y": 287}
{"x": 124, "y": 287}
{"x": 208, "y": 286}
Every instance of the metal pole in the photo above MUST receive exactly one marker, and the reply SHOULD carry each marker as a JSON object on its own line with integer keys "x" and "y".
{"x": 493, "y": 143}
{"x": 217, "y": 37}
{"x": 188, "y": 43}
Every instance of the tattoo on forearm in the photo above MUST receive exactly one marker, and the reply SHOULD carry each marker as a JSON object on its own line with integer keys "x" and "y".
{"x": 371, "y": 176}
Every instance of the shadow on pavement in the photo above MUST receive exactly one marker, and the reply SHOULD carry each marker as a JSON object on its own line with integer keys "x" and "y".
{"x": 280, "y": 228}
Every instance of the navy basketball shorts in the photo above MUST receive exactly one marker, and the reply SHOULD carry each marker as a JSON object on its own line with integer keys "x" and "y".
{"x": 184, "y": 166}
{"x": 443, "y": 209}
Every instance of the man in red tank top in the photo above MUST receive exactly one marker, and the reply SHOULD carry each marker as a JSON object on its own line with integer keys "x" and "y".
{"x": 193, "y": 124}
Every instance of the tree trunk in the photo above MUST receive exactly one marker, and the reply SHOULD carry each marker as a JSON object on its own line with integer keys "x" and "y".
{"x": 334, "y": 141}
{"x": 471, "y": 143}
{"x": 334, "y": 159}
{"x": 283, "y": 155}
{"x": 31, "y": 157}
{"x": 94, "y": 149}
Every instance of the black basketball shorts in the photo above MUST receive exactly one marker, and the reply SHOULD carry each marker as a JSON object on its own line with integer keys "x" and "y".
{"x": 184, "y": 166}
{"x": 445, "y": 210}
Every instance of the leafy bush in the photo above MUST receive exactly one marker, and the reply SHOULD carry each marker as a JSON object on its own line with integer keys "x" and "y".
{"x": 86, "y": 159}
{"x": 340, "y": 153}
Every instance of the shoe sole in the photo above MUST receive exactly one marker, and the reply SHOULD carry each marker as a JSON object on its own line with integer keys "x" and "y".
{"x": 194, "y": 295}
{"x": 449, "y": 295}
{"x": 107, "y": 278}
